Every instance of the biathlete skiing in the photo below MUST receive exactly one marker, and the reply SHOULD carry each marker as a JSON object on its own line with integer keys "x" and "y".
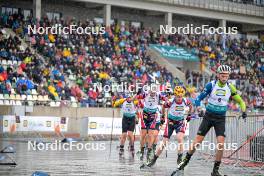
{"x": 178, "y": 108}
{"x": 159, "y": 123}
{"x": 148, "y": 124}
{"x": 129, "y": 119}
{"x": 218, "y": 92}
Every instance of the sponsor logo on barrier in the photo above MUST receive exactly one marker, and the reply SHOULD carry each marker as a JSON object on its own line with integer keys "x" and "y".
{"x": 6, "y": 123}
{"x": 93, "y": 125}
{"x": 63, "y": 120}
{"x": 62, "y": 126}
{"x": 17, "y": 119}
{"x": 25, "y": 123}
{"x": 101, "y": 125}
{"x": 48, "y": 124}
{"x": 33, "y": 123}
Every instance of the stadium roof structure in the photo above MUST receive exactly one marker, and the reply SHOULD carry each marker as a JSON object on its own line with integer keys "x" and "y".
{"x": 213, "y": 9}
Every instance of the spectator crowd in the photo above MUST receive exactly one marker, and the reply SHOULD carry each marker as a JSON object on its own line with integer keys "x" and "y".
{"x": 64, "y": 66}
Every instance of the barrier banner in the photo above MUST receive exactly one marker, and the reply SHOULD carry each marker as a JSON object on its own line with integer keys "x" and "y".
{"x": 103, "y": 125}
{"x": 174, "y": 52}
{"x": 34, "y": 123}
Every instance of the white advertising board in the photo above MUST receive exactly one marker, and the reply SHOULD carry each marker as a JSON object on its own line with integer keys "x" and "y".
{"x": 103, "y": 125}
{"x": 34, "y": 123}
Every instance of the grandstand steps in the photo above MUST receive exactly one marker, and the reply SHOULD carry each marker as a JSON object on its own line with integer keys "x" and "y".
{"x": 171, "y": 65}
{"x": 165, "y": 63}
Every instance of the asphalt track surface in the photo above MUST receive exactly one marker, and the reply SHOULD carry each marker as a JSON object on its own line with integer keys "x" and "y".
{"x": 104, "y": 161}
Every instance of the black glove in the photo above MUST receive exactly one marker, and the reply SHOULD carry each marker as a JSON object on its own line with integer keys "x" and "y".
{"x": 189, "y": 117}
{"x": 244, "y": 115}
{"x": 201, "y": 113}
{"x": 162, "y": 119}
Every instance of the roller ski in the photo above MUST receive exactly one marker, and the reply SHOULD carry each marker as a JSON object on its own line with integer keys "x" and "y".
{"x": 150, "y": 163}
{"x": 177, "y": 173}
{"x": 140, "y": 153}
{"x": 179, "y": 159}
{"x": 181, "y": 164}
{"x": 216, "y": 173}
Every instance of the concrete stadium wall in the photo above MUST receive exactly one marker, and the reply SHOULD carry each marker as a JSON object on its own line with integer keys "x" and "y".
{"x": 68, "y": 9}
{"x": 64, "y": 111}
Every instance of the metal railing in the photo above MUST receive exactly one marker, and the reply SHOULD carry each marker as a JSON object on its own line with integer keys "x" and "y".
{"x": 220, "y": 5}
{"x": 244, "y": 141}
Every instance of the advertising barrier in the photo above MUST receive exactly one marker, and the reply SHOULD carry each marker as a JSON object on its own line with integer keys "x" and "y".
{"x": 103, "y": 125}
{"x": 174, "y": 52}
{"x": 33, "y": 123}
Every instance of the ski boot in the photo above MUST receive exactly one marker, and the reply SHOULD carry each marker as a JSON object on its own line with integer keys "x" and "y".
{"x": 121, "y": 150}
{"x": 149, "y": 154}
{"x": 184, "y": 162}
{"x": 179, "y": 159}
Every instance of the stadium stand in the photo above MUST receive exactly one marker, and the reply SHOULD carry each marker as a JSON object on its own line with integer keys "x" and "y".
{"x": 71, "y": 64}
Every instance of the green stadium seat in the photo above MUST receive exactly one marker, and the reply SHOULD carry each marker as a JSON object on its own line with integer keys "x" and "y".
{"x": 12, "y": 97}
{"x": 15, "y": 62}
{"x": 4, "y": 62}
{"x": 23, "y": 97}
{"x": 34, "y": 92}
{"x": 6, "y": 97}
{"x": 74, "y": 105}
{"x": 18, "y": 97}
{"x": 46, "y": 98}
{"x": 73, "y": 100}
{"x": 9, "y": 62}
{"x": 40, "y": 98}
{"x": 29, "y": 98}
{"x": 34, "y": 97}
{"x": 13, "y": 91}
